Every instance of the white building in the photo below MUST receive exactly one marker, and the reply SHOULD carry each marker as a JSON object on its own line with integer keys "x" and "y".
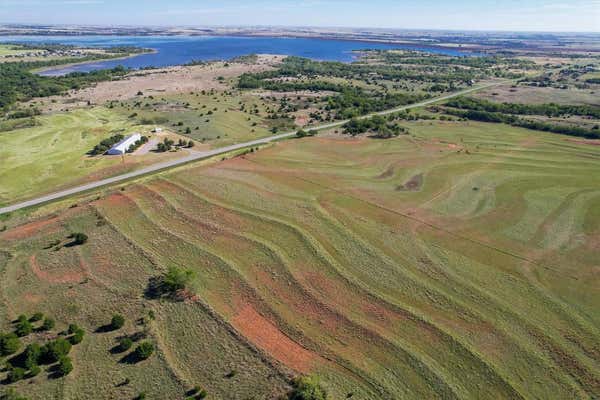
{"x": 124, "y": 145}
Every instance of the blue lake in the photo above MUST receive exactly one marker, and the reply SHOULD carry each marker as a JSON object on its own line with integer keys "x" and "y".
{"x": 177, "y": 50}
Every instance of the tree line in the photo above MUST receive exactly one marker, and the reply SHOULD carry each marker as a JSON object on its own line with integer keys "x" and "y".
{"x": 547, "y": 109}
{"x": 17, "y": 83}
{"x": 382, "y": 127}
{"x": 486, "y": 116}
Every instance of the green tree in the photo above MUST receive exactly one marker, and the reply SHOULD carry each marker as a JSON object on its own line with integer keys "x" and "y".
{"x": 55, "y": 350}
{"x": 38, "y": 316}
{"x": 34, "y": 371}
{"x": 48, "y": 324}
{"x": 32, "y": 354}
{"x": 307, "y": 388}
{"x": 177, "y": 279}
{"x": 144, "y": 350}
{"x": 73, "y": 328}
{"x": 125, "y": 344}
{"x": 77, "y": 337}
{"x": 15, "y": 374}
{"x": 65, "y": 366}
{"x": 117, "y": 321}
{"x": 9, "y": 344}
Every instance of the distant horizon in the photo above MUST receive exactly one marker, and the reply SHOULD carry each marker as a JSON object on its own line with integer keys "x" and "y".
{"x": 249, "y": 26}
{"x": 543, "y": 16}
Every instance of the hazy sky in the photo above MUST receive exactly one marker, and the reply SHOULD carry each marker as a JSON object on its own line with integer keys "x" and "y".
{"x": 526, "y": 15}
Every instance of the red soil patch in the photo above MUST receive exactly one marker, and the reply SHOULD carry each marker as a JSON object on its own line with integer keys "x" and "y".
{"x": 115, "y": 200}
{"x": 28, "y": 230}
{"x": 67, "y": 277}
{"x": 301, "y": 120}
{"x": 269, "y": 338}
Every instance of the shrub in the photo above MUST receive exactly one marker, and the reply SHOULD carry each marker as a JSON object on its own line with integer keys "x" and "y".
{"x": 141, "y": 396}
{"x": 79, "y": 238}
{"x": 38, "y": 316}
{"x": 117, "y": 321}
{"x": 9, "y": 344}
{"x": 198, "y": 393}
{"x": 15, "y": 374}
{"x": 77, "y": 336}
{"x": 23, "y": 327}
{"x": 73, "y": 328}
{"x": 125, "y": 344}
{"x": 307, "y": 388}
{"x": 34, "y": 370}
{"x": 65, "y": 366}
{"x": 144, "y": 350}
{"x": 48, "y": 324}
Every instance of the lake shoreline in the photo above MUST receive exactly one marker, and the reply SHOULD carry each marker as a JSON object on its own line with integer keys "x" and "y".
{"x": 42, "y": 71}
{"x": 180, "y": 50}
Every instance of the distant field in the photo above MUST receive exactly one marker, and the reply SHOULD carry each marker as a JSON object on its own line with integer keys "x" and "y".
{"x": 538, "y": 95}
{"x": 6, "y": 50}
{"x": 458, "y": 262}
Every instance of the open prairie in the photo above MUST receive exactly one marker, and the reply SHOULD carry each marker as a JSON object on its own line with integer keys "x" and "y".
{"x": 460, "y": 261}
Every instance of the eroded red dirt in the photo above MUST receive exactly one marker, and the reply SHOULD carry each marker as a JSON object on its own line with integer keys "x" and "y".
{"x": 29, "y": 229}
{"x": 269, "y": 338}
{"x": 61, "y": 276}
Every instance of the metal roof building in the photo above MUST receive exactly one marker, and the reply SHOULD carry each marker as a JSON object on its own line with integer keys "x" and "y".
{"x": 124, "y": 145}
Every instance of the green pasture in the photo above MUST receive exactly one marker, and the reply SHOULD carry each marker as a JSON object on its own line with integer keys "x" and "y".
{"x": 51, "y": 155}
{"x": 455, "y": 262}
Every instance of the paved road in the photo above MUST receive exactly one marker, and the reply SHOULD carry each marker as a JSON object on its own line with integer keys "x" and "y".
{"x": 206, "y": 154}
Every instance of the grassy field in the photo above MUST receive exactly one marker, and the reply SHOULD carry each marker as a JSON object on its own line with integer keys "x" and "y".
{"x": 539, "y": 95}
{"x": 457, "y": 262}
{"x": 48, "y": 153}
{"x": 212, "y": 119}
{"x": 51, "y": 153}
